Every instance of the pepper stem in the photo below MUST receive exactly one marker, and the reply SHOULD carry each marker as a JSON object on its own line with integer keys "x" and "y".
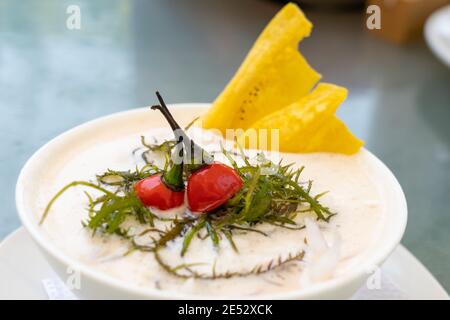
{"x": 173, "y": 178}
{"x": 196, "y": 156}
{"x": 165, "y": 111}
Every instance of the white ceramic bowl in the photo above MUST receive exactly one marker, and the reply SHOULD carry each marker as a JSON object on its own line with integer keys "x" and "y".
{"x": 96, "y": 285}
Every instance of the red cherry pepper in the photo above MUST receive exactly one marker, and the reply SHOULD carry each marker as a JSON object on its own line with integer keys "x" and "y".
{"x": 211, "y": 186}
{"x": 164, "y": 191}
{"x": 152, "y": 191}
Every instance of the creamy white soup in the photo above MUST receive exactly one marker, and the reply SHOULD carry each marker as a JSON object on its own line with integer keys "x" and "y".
{"x": 331, "y": 249}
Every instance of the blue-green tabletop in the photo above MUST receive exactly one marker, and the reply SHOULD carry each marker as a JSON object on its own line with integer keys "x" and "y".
{"x": 53, "y": 78}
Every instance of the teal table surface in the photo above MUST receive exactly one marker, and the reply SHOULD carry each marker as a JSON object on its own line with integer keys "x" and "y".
{"x": 53, "y": 78}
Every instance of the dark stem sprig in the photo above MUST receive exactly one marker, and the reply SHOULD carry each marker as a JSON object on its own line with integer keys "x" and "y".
{"x": 185, "y": 271}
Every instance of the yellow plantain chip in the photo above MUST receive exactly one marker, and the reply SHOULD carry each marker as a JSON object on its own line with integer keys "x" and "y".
{"x": 273, "y": 75}
{"x": 308, "y": 125}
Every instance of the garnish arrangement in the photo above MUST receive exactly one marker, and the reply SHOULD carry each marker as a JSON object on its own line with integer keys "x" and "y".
{"x": 220, "y": 200}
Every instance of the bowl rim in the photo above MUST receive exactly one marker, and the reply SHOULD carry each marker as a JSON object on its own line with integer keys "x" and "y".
{"x": 135, "y": 290}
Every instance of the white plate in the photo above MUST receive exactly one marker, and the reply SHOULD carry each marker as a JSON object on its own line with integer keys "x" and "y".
{"x": 22, "y": 269}
{"x": 437, "y": 34}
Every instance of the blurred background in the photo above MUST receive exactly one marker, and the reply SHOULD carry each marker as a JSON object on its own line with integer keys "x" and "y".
{"x": 53, "y": 78}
